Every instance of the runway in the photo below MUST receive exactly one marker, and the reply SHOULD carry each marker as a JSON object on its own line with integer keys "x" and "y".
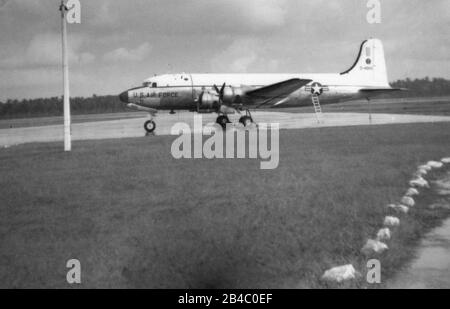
{"x": 133, "y": 127}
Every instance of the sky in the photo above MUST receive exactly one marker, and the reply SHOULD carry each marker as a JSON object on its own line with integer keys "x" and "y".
{"x": 119, "y": 43}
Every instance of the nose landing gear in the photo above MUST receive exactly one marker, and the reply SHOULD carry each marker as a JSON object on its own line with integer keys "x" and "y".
{"x": 150, "y": 126}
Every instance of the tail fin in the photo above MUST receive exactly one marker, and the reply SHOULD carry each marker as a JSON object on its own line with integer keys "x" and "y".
{"x": 370, "y": 66}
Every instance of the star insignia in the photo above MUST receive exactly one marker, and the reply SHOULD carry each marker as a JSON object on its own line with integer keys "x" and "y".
{"x": 317, "y": 89}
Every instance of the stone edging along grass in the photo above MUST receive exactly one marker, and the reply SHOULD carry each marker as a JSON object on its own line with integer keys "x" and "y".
{"x": 378, "y": 246}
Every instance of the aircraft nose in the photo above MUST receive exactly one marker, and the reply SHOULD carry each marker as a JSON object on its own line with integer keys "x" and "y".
{"x": 124, "y": 97}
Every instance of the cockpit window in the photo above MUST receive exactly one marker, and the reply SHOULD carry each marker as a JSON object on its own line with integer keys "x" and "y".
{"x": 155, "y": 85}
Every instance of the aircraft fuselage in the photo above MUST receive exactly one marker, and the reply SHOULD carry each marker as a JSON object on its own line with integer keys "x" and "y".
{"x": 181, "y": 91}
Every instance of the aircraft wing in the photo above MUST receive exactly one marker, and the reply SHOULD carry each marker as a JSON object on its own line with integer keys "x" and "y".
{"x": 279, "y": 90}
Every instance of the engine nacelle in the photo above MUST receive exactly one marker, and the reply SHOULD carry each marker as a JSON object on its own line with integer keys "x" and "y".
{"x": 231, "y": 94}
{"x": 208, "y": 101}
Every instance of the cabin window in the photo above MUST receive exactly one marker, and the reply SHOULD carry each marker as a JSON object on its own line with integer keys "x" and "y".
{"x": 155, "y": 85}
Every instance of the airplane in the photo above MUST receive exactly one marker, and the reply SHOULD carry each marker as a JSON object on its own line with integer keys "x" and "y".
{"x": 227, "y": 94}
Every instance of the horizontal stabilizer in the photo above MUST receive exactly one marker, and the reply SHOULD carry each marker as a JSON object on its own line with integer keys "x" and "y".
{"x": 381, "y": 90}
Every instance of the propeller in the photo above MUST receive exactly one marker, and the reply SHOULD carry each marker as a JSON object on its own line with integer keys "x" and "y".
{"x": 223, "y": 108}
{"x": 220, "y": 92}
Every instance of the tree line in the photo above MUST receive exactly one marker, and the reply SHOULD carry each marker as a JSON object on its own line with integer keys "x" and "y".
{"x": 424, "y": 87}
{"x": 44, "y": 107}
{"x": 53, "y": 106}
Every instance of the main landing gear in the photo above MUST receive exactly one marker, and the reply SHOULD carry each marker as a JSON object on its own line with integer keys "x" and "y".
{"x": 223, "y": 120}
{"x": 246, "y": 120}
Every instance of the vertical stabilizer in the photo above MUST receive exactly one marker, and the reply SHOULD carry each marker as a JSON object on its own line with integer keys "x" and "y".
{"x": 370, "y": 65}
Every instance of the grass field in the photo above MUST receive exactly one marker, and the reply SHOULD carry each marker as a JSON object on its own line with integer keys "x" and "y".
{"x": 137, "y": 218}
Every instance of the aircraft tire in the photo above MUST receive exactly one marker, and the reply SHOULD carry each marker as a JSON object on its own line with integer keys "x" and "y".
{"x": 223, "y": 121}
{"x": 246, "y": 121}
{"x": 150, "y": 126}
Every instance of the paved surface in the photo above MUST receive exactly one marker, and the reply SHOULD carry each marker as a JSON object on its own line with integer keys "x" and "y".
{"x": 57, "y": 120}
{"x": 431, "y": 270}
{"x": 126, "y": 128}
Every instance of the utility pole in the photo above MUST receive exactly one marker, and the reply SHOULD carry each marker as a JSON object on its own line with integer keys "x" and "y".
{"x": 65, "y": 60}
